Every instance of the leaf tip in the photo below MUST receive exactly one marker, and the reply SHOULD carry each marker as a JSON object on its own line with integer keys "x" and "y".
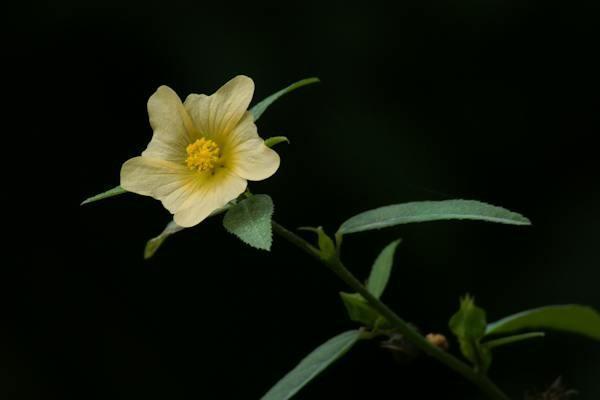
{"x": 152, "y": 246}
{"x": 274, "y": 140}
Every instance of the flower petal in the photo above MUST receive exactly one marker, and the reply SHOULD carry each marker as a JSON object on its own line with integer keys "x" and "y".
{"x": 215, "y": 193}
{"x": 172, "y": 126}
{"x": 171, "y": 183}
{"x": 253, "y": 160}
{"x": 245, "y": 130}
{"x": 216, "y": 115}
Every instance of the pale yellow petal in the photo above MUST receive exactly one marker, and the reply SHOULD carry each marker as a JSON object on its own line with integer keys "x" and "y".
{"x": 253, "y": 160}
{"x": 171, "y": 183}
{"x": 172, "y": 126}
{"x": 215, "y": 193}
{"x": 217, "y": 115}
{"x": 245, "y": 130}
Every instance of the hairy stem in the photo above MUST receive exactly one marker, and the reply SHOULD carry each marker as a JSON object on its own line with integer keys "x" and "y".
{"x": 410, "y": 334}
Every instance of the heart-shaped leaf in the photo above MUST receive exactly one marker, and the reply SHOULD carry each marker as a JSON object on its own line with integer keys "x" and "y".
{"x": 250, "y": 220}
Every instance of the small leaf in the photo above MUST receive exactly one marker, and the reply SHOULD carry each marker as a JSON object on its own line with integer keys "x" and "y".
{"x": 571, "y": 318}
{"x": 262, "y": 106}
{"x": 359, "y": 309}
{"x": 153, "y": 244}
{"x": 326, "y": 244}
{"x": 250, "y": 220}
{"x": 512, "y": 339}
{"x": 273, "y": 140}
{"x": 469, "y": 321}
{"x": 313, "y": 364}
{"x": 382, "y": 267}
{"x": 422, "y": 211}
{"x": 117, "y": 190}
{"x": 468, "y": 324}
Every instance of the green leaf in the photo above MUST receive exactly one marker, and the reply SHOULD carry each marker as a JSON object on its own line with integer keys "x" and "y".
{"x": 326, "y": 244}
{"x": 117, "y": 190}
{"x": 382, "y": 267}
{"x": 273, "y": 140}
{"x": 422, "y": 211}
{"x": 250, "y": 220}
{"x": 153, "y": 244}
{"x": 469, "y": 320}
{"x": 512, "y": 339}
{"x": 571, "y": 318}
{"x": 359, "y": 310}
{"x": 468, "y": 324}
{"x": 313, "y": 364}
{"x": 262, "y": 106}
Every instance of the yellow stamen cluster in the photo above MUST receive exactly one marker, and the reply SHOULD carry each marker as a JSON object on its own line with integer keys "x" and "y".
{"x": 203, "y": 154}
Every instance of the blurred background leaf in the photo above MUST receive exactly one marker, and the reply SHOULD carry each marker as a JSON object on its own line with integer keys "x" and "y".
{"x": 572, "y": 318}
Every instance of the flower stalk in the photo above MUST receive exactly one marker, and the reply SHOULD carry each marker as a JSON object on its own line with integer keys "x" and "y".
{"x": 410, "y": 334}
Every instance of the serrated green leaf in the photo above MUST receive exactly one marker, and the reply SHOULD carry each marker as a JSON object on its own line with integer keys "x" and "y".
{"x": 313, "y": 364}
{"x": 468, "y": 324}
{"x": 469, "y": 320}
{"x": 422, "y": 211}
{"x": 117, "y": 190}
{"x": 572, "y": 318}
{"x": 274, "y": 140}
{"x": 381, "y": 270}
{"x": 250, "y": 220}
{"x": 153, "y": 244}
{"x": 262, "y": 106}
{"x": 512, "y": 339}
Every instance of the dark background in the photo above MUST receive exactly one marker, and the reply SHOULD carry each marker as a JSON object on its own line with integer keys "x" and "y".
{"x": 495, "y": 101}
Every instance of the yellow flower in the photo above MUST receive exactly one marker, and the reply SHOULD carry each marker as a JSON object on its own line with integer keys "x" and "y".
{"x": 202, "y": 152}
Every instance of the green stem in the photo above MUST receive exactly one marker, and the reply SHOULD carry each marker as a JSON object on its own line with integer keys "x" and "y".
{"x": 410, "y": 334}
{"x": 512, "y": 339}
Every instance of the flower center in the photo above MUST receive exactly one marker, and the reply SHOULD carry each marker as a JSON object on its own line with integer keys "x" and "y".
{"x": 202, "y": 155}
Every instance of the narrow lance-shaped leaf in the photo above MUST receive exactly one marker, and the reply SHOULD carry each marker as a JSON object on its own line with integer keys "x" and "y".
{"x": 512, "y": 339}
{"x": 153, "y": 244}
{"x": 250, "y": 220}
{"x": 570, "y": 318}
{"x": 313, "y": 364}
{"x": 273, "y": 140}
{"x": 262, "y": 106}
{"x": 382, "y": 268}
{"x": 117, "y": 190}
{"x": 422, "y": 211}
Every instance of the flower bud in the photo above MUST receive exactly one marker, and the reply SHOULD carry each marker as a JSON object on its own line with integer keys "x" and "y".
{"x": 438, "y": 340}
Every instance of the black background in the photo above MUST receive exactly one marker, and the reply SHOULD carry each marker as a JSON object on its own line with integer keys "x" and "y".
{"x": 495, "y": 101}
